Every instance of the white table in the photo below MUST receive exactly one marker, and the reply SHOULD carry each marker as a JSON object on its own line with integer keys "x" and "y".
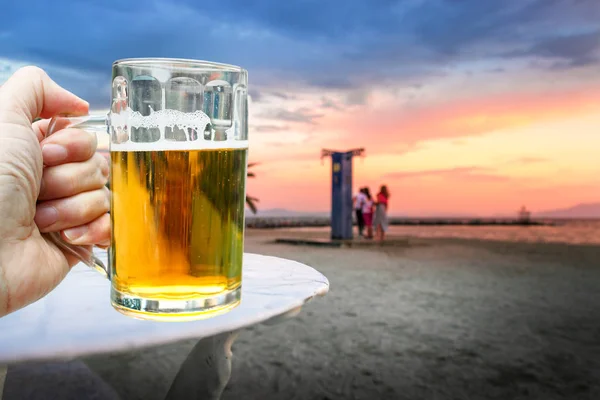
{"x": 77, "y": 320}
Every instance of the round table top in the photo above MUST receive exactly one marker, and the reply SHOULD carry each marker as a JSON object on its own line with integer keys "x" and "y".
{"x": 77, "y": 319}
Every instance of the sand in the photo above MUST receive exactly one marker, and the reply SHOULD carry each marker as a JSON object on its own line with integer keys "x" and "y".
{"x": 444, "y": 319}
{"x": 431, "y": 319}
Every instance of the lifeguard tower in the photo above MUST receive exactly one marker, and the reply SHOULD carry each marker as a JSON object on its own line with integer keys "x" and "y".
{"x": 341, "y": 191}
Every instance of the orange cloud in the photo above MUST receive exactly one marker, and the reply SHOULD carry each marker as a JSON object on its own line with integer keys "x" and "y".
{"x": 473, "y": 174}
{"x": 384, "y": 128}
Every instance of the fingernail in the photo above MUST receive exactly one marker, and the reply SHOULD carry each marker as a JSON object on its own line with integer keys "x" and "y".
{"x": 53, "y": 153}
{"x": 75, "y": 233}
{"x": 46, "y": 216}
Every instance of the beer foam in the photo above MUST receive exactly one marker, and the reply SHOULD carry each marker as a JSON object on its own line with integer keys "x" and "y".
{"x": 162, "y": 119}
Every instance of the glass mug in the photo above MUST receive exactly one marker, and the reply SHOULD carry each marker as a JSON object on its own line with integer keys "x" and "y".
{"x": 178, "y": 160}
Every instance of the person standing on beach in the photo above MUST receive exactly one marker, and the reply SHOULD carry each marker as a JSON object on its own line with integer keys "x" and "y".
{"x": 367, "y": 212}
{"x": 381, "y": 210}
{"x": 359, "y": 201}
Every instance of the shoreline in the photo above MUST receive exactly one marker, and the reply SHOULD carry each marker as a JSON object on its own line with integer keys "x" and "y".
{"x": 288, "y": 222}
{"x": 584, "y": 234}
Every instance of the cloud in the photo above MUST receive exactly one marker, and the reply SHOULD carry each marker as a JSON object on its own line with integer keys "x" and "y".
{"x": 282, "y": 95}
{"x": 357, "y": 97}
{"x": 457, "y": 118}
{"x": 327, "y": 81}
{"x": 264, "y": 96}
{"x": 255, "y": 95}
{"x": 462, "y": 173}
{"x": 301, "y": 115}
{"x": 573, "y": 50}
{"x": 337, "y": 45}
{"x": 326, "y": 102}
{"x": 458, "y": 25}
{"x": 270, "y": 128}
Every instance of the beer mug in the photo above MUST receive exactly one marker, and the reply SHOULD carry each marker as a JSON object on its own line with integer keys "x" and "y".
{"x": 178, "y": 159}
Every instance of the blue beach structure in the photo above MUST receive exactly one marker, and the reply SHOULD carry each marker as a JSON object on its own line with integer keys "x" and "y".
{"x": 341, "y": 191}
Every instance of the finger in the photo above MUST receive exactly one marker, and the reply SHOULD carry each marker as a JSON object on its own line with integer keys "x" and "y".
{"x": 40, "y": 128}
{"x": 96, "y": 232}
{"x": 70, "y": 179}
{"x": 56, "y": 215}
{"x": 30, "y": 93}
{"x": 68, "y": 145}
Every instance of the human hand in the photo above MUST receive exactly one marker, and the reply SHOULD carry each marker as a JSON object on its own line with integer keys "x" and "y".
{"x": 53, "y": 184}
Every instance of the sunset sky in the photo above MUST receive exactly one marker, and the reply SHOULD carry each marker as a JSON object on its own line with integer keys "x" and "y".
{"x": 463, "y": 106}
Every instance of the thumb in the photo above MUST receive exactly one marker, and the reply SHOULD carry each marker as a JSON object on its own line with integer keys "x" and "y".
{"x": 30, "y": 93}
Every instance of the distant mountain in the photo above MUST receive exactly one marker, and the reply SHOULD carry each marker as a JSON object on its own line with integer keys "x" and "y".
{"x": 587, "y": 210}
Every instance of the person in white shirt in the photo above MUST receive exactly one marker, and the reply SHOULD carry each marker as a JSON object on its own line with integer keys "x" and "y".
{"x": 367, "y": 212}
{"x": 359, "y": 202}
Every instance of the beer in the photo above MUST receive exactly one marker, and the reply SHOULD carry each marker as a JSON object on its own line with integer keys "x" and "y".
{"x": 177, "y": 227}
{"x": 178, "y": 151}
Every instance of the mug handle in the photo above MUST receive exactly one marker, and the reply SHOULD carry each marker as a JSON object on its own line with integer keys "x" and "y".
{"x": 93, "y": 124}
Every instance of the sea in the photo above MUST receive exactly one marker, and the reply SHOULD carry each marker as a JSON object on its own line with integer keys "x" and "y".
{"x": 558, "y": 231}
{"x": 576, "y": 232}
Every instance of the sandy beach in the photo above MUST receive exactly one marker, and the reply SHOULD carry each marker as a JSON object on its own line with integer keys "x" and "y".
{"x": 435, "y": 318}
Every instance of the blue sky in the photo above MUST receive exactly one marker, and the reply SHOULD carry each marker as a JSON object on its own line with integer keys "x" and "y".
{"x": 334, "y": 44}
{"x": 437, "y": 90}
